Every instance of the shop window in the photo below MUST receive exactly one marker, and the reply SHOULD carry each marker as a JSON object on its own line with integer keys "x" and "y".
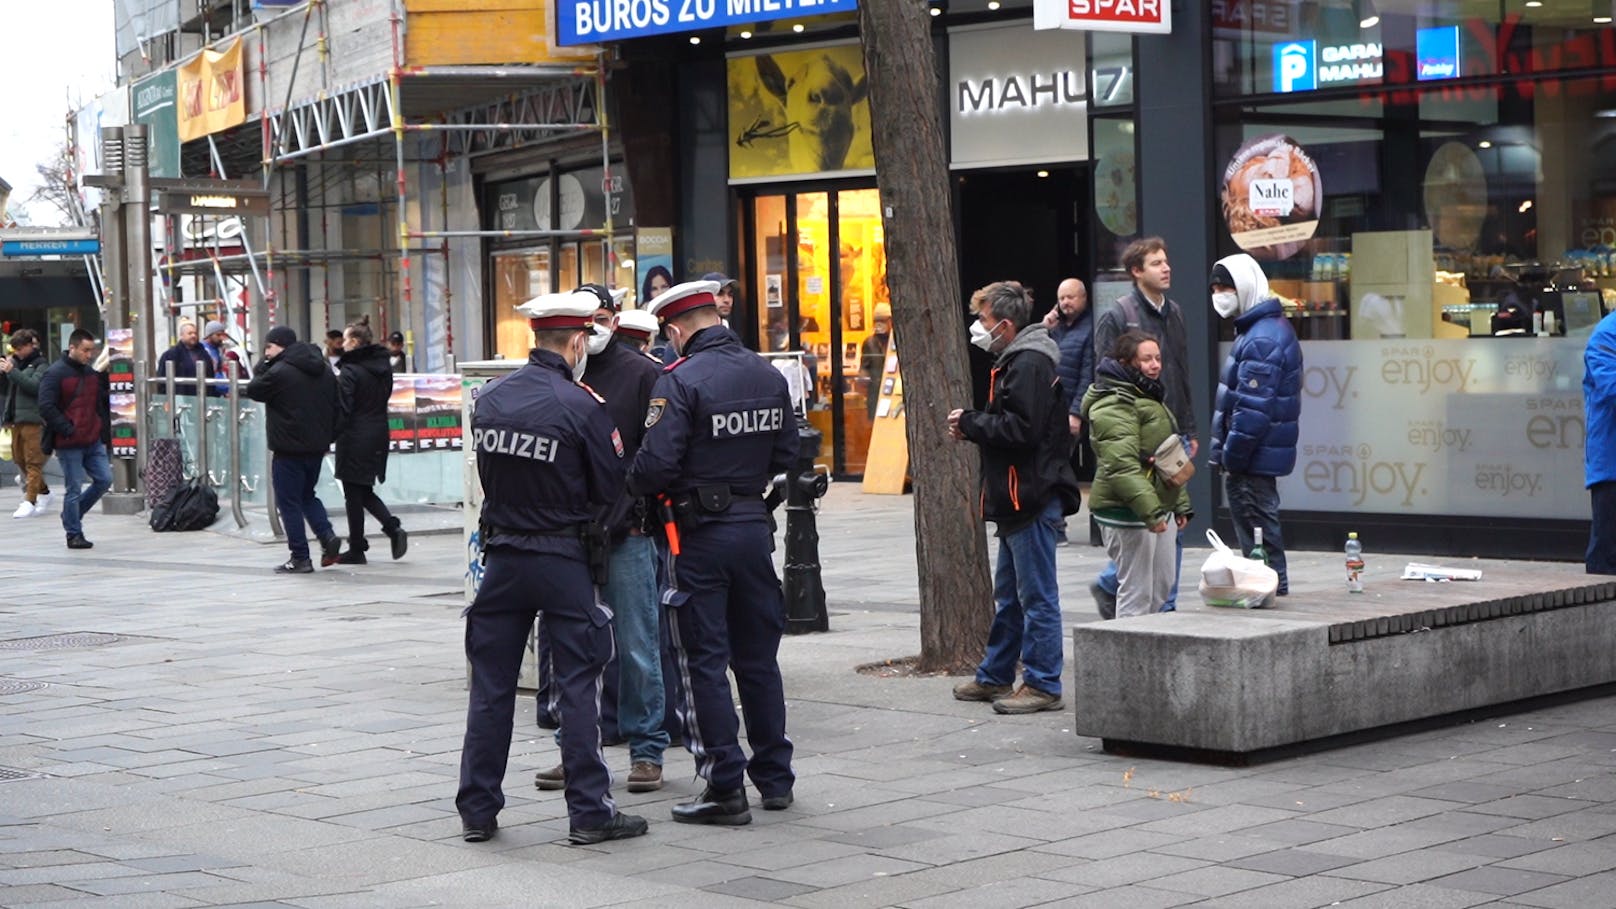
{"x": 517, "y": 278}
{"x": 1444, "y": 252}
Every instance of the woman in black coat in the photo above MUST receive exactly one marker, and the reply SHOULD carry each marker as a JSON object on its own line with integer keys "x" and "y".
{"x": 364, "y": 383}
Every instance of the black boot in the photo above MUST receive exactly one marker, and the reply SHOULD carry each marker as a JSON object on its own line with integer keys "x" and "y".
{"x": 400, "y": 539}
{"x": 330, "y": 550}
{"x": 356, "y": 552}
{"x": 715, "y": 807}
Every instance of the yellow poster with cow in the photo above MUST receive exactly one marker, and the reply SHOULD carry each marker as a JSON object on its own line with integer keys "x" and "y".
{"x": 211, "y": 92}
{"x": 798, "y": 113}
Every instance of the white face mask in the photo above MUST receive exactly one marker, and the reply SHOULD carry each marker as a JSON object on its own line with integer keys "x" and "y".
{"x": 1226, "y": 302}
{"x": 601, "y": 336}
{"x": 982, "y": 336}
{"x": 582, "y": 361}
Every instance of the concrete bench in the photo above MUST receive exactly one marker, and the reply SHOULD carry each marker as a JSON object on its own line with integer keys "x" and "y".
{"x": 1223, "y": 684}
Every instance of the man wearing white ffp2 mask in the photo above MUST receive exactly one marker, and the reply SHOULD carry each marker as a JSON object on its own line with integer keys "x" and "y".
{"x": 1259, "y": 401}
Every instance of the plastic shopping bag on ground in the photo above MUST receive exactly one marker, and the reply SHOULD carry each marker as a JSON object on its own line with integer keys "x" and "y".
{"x": 1229, "y": 579}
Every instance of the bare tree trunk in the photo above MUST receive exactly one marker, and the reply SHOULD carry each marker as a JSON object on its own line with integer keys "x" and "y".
{"x": 956, "y": 593}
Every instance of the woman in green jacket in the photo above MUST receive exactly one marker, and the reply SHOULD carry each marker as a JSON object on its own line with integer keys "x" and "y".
{"x": 1127, "y": 421}
{"x": 19, "y": 378}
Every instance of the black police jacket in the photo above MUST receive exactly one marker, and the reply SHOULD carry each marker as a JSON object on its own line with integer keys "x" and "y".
{"x": 624, "y": 377}
{"x": 549, "y": 458}
{"x": 720, "y": 416}
{"x": 299, "y": 392}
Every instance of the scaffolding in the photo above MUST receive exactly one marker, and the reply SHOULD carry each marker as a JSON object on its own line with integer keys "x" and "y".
{"x": 326, "y": 138}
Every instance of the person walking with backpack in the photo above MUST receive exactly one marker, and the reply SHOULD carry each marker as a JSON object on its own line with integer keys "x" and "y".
{"x": 22, "y": 373}
{"x": 364, "y": 383}
{"x": 74, "y": 404}
{"x": 299, "y": 393}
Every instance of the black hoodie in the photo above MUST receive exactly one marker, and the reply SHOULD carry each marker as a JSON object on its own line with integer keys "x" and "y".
{"x": 299, "y": 392}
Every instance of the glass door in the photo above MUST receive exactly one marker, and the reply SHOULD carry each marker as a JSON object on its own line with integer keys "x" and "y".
{"x": 866, "y": 317}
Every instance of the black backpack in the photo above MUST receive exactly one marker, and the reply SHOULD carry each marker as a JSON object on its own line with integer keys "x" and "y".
{"x": 194, "y": 506}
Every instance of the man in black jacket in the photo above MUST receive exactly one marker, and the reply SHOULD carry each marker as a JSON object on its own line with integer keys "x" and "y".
{"x": 186, "y": 354}
{"x": 1027, "y": 488}
{"x": 299, "y": 392}
{"x": 364, "y": 383}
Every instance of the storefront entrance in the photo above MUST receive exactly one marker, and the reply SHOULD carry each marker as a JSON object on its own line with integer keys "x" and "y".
{"x": 815, "y": 265}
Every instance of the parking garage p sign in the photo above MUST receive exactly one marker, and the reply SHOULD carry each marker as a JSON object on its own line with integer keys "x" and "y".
{"x": 1149, "y": 17}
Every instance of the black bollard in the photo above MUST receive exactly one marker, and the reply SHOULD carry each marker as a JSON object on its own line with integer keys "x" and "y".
{"x": 805, "y": 591}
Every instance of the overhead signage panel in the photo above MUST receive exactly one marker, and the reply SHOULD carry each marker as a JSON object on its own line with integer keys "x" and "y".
{"x": 1144, "y": 17}
{"x": 51, "y": 247}
{"x": 597, "y": 21}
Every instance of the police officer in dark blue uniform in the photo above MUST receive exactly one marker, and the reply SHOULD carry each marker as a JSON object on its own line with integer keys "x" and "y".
{"x": 719, "y": 426}
{"x": 551, "y": 464}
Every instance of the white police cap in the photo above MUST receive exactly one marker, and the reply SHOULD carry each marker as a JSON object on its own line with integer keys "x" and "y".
{"x": 572, "y": 309}
{"x": 682, "y": 298}
{"x": 637, "y": 322}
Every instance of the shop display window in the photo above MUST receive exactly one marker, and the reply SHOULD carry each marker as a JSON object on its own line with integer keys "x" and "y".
{"x": 823, "y": 309}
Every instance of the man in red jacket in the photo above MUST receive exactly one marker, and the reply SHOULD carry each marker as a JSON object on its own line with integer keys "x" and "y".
{"x": 73, "y": 403}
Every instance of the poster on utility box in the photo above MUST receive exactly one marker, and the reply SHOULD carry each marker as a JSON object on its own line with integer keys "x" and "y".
{"x": 599, "y": 21}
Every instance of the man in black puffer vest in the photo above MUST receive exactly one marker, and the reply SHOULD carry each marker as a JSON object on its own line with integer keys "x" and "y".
{"x": 299, "y": 392}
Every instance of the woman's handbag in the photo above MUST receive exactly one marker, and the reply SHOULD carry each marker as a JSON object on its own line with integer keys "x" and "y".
{"x": 1172, "y": 462}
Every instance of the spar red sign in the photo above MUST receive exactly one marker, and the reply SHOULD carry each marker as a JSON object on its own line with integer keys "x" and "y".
{"x": 1142, "y": 16}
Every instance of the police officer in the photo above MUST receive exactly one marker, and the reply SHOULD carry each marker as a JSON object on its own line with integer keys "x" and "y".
{"x": 551, "y": 464}
{"x": 624, "y": 376}
{"x": 720, "y": 424}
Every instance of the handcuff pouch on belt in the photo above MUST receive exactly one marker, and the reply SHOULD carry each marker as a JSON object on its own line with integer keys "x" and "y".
{"x": 594, "y": 535}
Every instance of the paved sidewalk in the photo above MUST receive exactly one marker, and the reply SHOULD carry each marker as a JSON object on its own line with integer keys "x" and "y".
{"x": 256, "y": 740}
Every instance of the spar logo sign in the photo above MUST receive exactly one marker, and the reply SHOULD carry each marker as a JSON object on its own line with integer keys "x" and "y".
{"x": 1147, "y": 17}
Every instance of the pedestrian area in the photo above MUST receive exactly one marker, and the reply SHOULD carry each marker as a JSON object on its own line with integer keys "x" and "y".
{"x": 179, "y": 727}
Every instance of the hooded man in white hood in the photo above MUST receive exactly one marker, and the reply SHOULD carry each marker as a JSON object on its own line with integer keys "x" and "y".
{"x": 1259, "y": 401}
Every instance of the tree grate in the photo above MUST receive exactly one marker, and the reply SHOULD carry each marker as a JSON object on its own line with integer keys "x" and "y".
{"x": 12, "y": 774}
{"x": 68, "y": 641}
{"x": 18, "y": 686}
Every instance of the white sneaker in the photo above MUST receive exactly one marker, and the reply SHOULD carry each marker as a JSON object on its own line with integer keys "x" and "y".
{"x": 43, "y": 503}
{"x": 26, "y": 509}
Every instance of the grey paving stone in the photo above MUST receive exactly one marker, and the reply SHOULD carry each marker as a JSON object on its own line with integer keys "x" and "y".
{"x": 1384, "y": 841}
{"x": 1462, "y": 791}
{"x": 1495, "y": 845}
{"x": 1499, "y": 881}
{"x": 845, "y": 870}
{"x": 883, "y": 837}
{"x": 1572, "y": 859}
{"x": 789, "y": 855}
{"x": 1381, "y": 812}
{"x": 1298, "y": 893}
{"x": 1110, "y": 843}
{"x": 1215, "y": 880}
{"x": 1294, "y": 862}
{"x": 1596, "y": 891}
{"x": 27, "y": 894}
{"x": 1219, "y": 819}
{"x": 125, "y": 901}
{"x": 1297, "y": 832}
{"x": 1411, "y": 867}
{"x": 1007, "y": 894}
{"x": 1420, "y": 896}
{"x": 1121, "y": 870}
{"x": 1588, "y": 824}
{"x": 149, "y": 883}
{"x": 760, "y": 888}
{"x": 1132, "y": 897}
{"x": 1530, "y": 807}
{"x": 1220, "y": 848}
{"x": 960, "y": 847}
{"x": 871, "y": 894}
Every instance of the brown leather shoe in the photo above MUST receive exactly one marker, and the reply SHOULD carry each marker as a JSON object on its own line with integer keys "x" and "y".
{"x": 644, "y": 776}
{"x": 552, "y": 779}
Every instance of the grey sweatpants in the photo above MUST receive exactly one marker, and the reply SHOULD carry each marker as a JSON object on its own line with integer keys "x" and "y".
{"x": 1147, "y": 564}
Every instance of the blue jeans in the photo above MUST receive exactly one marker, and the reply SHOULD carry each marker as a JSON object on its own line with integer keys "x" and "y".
{"x": 1108, "y": 575}
{"x": 76, "y": 463}
{"x": 1026, "y": 609}
{"x": 294, "y": 477}
{"x": 631, "y": 592}
{"x": 1254, "y": 502}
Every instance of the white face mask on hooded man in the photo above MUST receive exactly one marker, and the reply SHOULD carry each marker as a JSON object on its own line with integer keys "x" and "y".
{"x": 1226, "y": 302}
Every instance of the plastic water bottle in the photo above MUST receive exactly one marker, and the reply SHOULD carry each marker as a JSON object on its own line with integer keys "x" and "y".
{"x": 1355, "y": 564}
{"x": 1257, "y": 550}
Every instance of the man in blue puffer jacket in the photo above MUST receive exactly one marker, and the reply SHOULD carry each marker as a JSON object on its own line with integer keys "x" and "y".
{"x": 1599, "y": 454}
{"x": 1254, "y": 423}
